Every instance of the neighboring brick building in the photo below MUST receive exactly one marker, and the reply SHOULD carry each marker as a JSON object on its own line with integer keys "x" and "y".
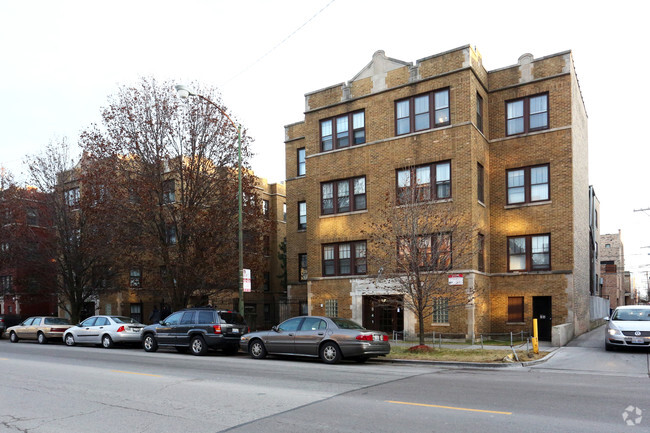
{"x": 507, "y": 148}
{"x": 615, "y": 285}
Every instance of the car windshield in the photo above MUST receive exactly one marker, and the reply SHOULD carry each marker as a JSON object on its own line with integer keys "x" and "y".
{"x": 346, "y": 324}
{"x": 633, "y": 314}
{"x": 121, "y": 319}
{"x": 232, "y": 318}
{"x": 56, "y": 321}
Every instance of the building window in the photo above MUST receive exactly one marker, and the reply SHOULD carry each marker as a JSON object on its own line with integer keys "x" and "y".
{"x": 135, "y": 278}
{"x": 267, "y": 245}
{"x": 429, "y": 252}
{"x": 6, "y": 283}
{"x": 422, "y": 112}
{"x": 332, "y": 308}
{"x": 529, "y": 253}
{"x": 528, "y": 184}
{"x": 481, "y": 253}
{"x": 343, "y": 195}
{"x": 4, "y": 247}
{"x": 266, "y": 285}
{"x": 479, "y": 112}
{"x": 515, "y": 309}
{"x": 169, "y": 191}
{"x": 342, "y": 131}
{"x": 480, "y": 182}
{"x": 284, "y": 212}
{"x": 432, "y": 182}
{"x": 172, "y": 238}
{"x": 302, "y": 215}
{"x": 71, "y": 197}
{"x": 301, "y": 162}
{"x": 346, "y": 258}
{"x": 441, "y": 310}
{"x": 527, "y": 114}
{"x": 265, "y": 208}
{"x": 31, "y": 217}
{"x": 302, "y": 267}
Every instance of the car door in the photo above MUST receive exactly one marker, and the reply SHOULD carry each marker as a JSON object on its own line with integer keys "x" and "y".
{"x": 85, "y": 330}
{"x": 164, "y": 334}
{"x": 281, "y": 339}
{"x": 181, "y": 331}
{"x": 21, "y": 330}
{"x": 101, "y": 326}
{"x": 309, "y": 336}
{"x": 31, "y": 330}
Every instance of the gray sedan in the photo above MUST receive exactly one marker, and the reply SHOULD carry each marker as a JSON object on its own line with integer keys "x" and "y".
{"x": 330, "y": 338}
{"x": 104, "y": 330}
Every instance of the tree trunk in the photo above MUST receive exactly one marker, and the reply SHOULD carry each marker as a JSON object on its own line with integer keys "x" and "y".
{"x": 421, "y": 326}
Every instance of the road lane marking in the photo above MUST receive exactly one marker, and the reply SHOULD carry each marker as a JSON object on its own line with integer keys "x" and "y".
{"x": 449, "y": 407}
{"x": 139, "y": 374}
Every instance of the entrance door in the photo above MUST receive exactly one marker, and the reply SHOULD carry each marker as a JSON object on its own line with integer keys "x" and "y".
{"x": 383, "y": 313}
{"x": 542, "y": 311}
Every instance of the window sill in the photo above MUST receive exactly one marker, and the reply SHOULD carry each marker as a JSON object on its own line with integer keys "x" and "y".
{"x": 302, "y": 230}
{"x": 344, "y": 213}
{"x": 481, "y": 203}
{"x": 515, "y": 323}
{"x": 339, "y": 277}
{"x": 424, "y": 203}
{"x": 440, "y": 324}
{"x": 520, "y": 205}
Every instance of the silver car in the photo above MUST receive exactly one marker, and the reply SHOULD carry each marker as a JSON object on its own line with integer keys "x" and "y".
{"x": 330, "y": 338}
{"x": 629, "y": 326}
{"x": 104, "y": 330}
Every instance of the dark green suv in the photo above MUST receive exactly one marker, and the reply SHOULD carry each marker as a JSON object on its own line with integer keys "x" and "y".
{"x": 196, "y": 329}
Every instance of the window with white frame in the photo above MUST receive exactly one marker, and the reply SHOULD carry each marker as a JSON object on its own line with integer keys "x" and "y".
{"x": 441, "y": 310}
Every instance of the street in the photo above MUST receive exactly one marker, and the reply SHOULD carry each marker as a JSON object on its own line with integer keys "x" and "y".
{"x": 53, "y": 388}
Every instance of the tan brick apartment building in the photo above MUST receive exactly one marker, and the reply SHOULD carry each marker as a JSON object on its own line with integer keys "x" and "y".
{"x": 507, "y": 148}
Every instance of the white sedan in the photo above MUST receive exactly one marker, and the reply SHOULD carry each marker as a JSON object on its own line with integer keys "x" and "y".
{"x": 104, "y": 330}
{"x": 629, "y": 326}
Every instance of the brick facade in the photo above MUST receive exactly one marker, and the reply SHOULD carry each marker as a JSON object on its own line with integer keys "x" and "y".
{"x": 562, "y": 146}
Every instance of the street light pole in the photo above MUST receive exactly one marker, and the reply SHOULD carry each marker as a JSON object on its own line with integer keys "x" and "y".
{"x": 184, "y": 93}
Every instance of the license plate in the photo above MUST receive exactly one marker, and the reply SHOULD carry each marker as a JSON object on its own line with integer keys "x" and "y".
{"x": 376, "y": 337}
{"x": 235, "y": 330}
{"x": 637, "y": 341}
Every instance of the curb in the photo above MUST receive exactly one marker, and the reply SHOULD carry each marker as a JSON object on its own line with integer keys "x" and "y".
{"x": 483, "y": 365}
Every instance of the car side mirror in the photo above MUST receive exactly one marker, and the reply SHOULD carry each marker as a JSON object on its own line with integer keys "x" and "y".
{"x": 606, "y": 318}
{"x": 275, "y": 329}
{"x": 162, "y": 322}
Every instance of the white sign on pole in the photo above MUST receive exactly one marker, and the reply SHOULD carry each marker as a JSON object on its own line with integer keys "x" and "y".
{"x": 456, "y": 279}
{"x": 246, "y": 277}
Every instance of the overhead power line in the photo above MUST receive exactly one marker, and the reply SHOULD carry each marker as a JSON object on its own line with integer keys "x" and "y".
{"x": 280, "y": 43}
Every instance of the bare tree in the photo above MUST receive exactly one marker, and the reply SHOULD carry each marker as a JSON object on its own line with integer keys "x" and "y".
{"x": 416, "y": 245}
{"x": 169, "y": 169}
{"x": 77, "y": 247}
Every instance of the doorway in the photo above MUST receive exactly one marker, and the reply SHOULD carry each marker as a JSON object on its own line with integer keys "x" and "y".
{"x": 543, "y": 312}
{"x": 383, "y": 313}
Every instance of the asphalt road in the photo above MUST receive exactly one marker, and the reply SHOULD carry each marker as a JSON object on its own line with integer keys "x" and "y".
{"x": 54, "y": 388}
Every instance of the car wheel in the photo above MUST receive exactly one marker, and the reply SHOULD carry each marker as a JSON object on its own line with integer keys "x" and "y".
{"x": 69, "y": 340}
{"x": 231, "y": 350}
{"x": 107, "y": 341}
{"x": 197, "y": 346}
{"x": 41, "y": 338}
{"x": 330, "y": 353}
{"x": 13, "y": 337}
{"x": 257, "y": 349}
{"x": 149, "y": 344}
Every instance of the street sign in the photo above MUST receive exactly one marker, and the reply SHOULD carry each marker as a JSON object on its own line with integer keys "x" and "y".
{"x": 246, "y": 277}
{"x": 455, "y": 279}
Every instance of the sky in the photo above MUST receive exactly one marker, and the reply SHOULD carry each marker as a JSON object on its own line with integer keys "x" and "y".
{"x": 60, "y": 61}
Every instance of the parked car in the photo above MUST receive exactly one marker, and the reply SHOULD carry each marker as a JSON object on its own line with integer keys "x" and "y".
{"x": 8, "y": 320}
{"x": 41, "y": 328}
{"x": 629, "y": 326}
{"x": 330, "y": 338}
{"x": 104, "y": 330}
{"x": 196, "y": 329}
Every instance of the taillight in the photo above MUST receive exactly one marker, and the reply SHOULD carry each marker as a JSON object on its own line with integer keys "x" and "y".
{"x": 385, "y": 337}
{"x": 364, "y": 337}
{"x": 217, "y": 329}
{"x": 120, "y": 329}
{"x": 57, "y": 329}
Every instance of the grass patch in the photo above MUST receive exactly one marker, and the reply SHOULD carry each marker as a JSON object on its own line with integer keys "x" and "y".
{"x": 460, "y": 355}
